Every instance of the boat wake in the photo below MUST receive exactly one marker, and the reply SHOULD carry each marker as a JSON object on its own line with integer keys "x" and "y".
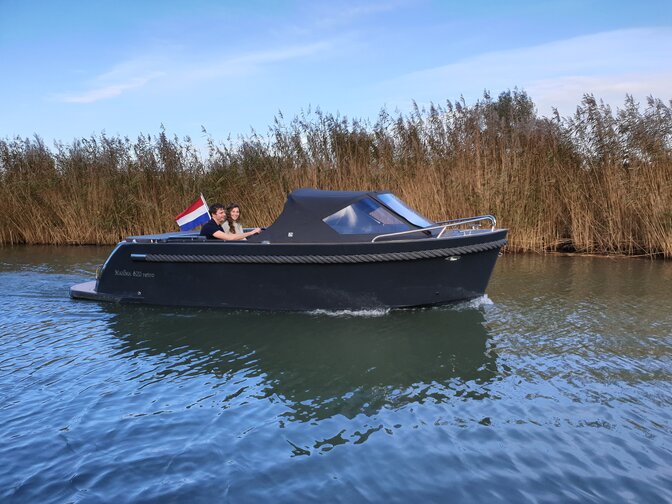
{"x": 478, "y": 302}
{"x": 370, "y": 313}
{"x": 472, "y": 304}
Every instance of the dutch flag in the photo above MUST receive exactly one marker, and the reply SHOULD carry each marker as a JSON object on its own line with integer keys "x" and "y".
{"x": 195, "y": 215}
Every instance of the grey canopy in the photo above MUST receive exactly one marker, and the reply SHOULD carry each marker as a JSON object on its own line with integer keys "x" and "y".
{"x": 316, "y": 216}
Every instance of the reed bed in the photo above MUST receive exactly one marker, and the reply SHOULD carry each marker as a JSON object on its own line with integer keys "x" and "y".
{"x": 597, "y": 182}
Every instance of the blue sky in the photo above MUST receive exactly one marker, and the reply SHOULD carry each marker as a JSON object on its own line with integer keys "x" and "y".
{"x": 71, "y": 69}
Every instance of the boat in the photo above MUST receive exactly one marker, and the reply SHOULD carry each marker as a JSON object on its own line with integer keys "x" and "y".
{"x": 327, "y": 250}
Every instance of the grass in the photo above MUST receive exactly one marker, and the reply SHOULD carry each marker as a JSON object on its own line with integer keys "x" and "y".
{"x": 597, "y": 182}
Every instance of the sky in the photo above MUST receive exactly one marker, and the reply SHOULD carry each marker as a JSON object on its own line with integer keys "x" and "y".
{"x": 71, "y": 69}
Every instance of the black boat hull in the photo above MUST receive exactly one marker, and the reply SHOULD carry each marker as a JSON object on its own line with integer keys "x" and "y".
{"x": 261, "y": 276}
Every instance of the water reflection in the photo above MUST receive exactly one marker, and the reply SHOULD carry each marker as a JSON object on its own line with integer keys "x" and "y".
{"x": 53, "y": 260}
{"x": 318, "y": 366}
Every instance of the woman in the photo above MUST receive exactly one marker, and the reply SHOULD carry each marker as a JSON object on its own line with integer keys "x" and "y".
{"x": 232, "y": 219}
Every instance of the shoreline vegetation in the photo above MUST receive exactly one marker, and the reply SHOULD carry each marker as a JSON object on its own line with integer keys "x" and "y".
{"x": 597, "y": 182}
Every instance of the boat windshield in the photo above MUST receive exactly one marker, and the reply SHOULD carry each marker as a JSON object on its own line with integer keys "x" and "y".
{"x": 402, "y": 209}
{"x": 365, "y": 216}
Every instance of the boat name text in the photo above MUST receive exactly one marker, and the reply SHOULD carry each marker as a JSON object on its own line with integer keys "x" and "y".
{"x": 134, "y": 273}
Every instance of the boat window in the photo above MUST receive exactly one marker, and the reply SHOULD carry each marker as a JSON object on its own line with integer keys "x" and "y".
{"x": 365, "y": 216}
{"x": 405, "y": 211}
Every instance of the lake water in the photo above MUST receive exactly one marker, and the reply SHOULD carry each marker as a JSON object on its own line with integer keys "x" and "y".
{"x": 555, "y": 387}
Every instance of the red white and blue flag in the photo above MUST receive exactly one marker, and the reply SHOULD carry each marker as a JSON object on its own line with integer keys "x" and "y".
{"x": 195, "y": 215}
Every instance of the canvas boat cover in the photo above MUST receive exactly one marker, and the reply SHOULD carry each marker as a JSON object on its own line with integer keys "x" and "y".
{"x": 316, "y": 216}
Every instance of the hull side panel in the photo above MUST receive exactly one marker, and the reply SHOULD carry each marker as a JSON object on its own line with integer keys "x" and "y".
{"x": 267, "y": 286}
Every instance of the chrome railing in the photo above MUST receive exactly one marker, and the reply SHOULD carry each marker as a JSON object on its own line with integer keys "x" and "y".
{"x": 443, "y": 226}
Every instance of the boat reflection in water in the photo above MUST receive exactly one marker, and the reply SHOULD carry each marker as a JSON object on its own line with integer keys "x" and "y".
{"x": 316, "y": 365}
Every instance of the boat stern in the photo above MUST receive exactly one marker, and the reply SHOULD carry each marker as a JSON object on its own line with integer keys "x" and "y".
{"x": 87, "y": 290}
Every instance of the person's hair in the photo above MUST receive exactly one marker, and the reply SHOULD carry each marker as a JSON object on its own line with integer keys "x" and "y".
{"x": 230, "y": 207}
{"x": 213, "y": 208}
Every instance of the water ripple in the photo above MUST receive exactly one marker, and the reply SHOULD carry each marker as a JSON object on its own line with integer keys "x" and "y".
{"x": 554, "y": 387}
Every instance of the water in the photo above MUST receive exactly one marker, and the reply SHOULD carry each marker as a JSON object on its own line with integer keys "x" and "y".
{"x": 555, "y": 387}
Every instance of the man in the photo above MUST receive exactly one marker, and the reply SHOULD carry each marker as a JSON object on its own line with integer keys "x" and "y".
{"x": 213, "y": 228}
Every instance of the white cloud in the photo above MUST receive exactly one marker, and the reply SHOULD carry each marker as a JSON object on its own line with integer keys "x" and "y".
{"x": 565, "y": 93}
{"x": 556, "y": 74}
{"x": 109, "y": 90}
{"x": 137, "y": 73}
{"x": 338, "y": 14}
{"x": 123, "y": 77}
{"x": 247, "y": 62}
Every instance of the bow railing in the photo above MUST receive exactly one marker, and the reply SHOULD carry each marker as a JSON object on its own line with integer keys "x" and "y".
{"x": 444, "y": 226}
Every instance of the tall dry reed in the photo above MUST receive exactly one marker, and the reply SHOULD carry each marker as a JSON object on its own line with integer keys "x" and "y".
{"x": 598, "y": 181}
